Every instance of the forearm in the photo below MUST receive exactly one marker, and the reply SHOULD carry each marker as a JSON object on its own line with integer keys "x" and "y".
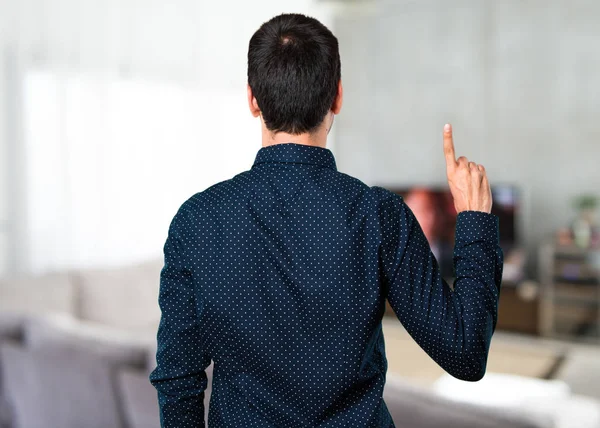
{"x": 472, "y": 308}
{"x": 181, "y": 400}
{"x": 453, "y": 327}
{"x": 478, "y": 261}
{"x": 179, "y": 377}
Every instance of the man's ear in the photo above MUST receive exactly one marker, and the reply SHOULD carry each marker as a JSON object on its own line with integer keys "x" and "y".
{"x": 339, "y": 98}
{"x": 252, "y": 104}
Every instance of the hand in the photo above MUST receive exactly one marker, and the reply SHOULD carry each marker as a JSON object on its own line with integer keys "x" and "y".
{"x": 468, "y": 181}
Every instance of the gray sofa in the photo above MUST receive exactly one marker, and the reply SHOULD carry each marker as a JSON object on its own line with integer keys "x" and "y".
{"x": 76, "y": 349}
{"x": 65, "y": 337}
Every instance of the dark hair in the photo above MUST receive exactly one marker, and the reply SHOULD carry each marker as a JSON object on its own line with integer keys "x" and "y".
{"x": 293, "y": 71}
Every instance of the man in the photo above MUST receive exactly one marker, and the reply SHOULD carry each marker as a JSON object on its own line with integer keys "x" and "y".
{"x": 279, "y": 275}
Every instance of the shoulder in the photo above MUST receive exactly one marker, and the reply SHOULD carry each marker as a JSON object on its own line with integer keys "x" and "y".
{"x": 389, "y": 204}
{"x": 222, "y": 192}
{"x": 375, "y": 194}
{"x": 386, "y": 196}
{"x": 201, "y": 201}
{"x": 202, "y": 205}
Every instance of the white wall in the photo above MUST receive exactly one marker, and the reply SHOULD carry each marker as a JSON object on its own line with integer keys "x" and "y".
{"x": 110, "y": 158}
{"x": 119, "y": 110}
{"x": 4, "y": 176}
{"x": 520, "y": 81}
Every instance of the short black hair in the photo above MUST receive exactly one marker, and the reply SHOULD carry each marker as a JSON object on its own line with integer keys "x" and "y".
{"x": 293, "y": 70}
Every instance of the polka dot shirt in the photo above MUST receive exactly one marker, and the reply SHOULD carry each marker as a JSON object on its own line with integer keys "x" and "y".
{"x": 279, "y": 275}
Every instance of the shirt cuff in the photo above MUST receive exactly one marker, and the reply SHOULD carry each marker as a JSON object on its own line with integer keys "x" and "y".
{"x": 472, "y": 226}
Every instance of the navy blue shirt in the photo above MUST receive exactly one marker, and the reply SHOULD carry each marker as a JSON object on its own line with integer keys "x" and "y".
{"x": 280, "y": 276}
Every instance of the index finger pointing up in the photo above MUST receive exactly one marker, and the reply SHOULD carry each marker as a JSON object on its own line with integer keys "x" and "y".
{"x": 449, "y": 147}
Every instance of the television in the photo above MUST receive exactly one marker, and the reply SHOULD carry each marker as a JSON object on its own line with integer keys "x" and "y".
{"x": 434, "y": 209}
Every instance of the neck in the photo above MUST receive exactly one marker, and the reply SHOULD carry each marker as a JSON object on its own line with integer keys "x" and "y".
{"x": 317, "y": 138}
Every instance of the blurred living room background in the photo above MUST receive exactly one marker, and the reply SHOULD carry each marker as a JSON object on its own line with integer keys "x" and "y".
{"x": 113, "y": 112}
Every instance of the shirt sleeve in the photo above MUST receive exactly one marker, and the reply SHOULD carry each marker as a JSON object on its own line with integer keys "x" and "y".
{"x": 453, "y": 326}
{"x": 179, "y": 377}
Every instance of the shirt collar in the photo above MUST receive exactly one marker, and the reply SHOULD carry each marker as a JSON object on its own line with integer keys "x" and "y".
{"x": 296, "y": 153}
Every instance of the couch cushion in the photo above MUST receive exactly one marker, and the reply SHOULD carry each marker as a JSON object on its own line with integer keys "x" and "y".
{"x": 50, "y": 390}
{"x": 417, "y": 406}
{"x": 579, "y": 411}
{"x": 501, "y": 389}
{"x": 74, "y": 365}
{"x": 11, "y": 329}
{"x": 140, "y": 400}
{"x": 11, "y": 325}
{"x": 65, "y": 334}
{"x": 548, "y": 398}
{"x": 44, "y": 293}
{"x": 17, "y": 379}
{"x": 6, "y": 408}
{"x": 125, "y": 297}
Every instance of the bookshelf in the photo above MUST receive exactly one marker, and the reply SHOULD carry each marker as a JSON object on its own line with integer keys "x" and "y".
{"x": 570, "y": 292}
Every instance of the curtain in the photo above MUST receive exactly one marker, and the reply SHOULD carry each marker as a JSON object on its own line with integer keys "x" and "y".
{"x": 113, "y": 113}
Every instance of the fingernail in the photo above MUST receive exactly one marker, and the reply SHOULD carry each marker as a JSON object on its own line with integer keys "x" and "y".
{"x": 447, "y": 127}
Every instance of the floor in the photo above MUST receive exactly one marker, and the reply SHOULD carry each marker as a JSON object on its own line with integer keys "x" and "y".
{"x": 578, "y": 364}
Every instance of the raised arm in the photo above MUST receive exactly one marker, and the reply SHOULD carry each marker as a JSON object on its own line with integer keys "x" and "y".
{"x": 454, "y": 327}
{"x": 179, "y": 378}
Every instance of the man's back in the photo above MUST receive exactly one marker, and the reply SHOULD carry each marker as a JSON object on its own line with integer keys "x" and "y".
{"x": 280, "y": 275}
